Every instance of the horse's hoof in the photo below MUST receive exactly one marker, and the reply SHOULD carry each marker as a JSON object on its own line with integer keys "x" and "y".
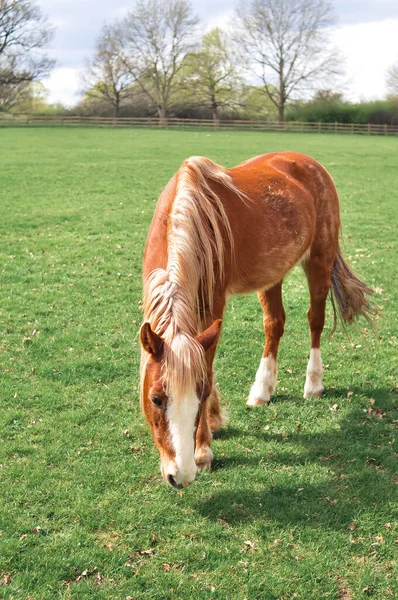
{"x": 215, "y": 423}
{"x": 312, "y": 391}
{"x": 254, "y": 401}
{"x": 217, "y": 420}
{"x": 203, "y": 457}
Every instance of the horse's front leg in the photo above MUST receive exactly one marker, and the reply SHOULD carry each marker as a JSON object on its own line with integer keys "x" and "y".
{"x": 211, "y": 417}
{"x": 274, "y": 322}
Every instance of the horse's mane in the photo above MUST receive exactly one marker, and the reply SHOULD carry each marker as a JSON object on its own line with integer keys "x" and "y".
{"x": 176, "y": 298}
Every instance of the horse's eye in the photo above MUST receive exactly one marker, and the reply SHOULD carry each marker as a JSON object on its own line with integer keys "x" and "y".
{"x": 157, "y": 400}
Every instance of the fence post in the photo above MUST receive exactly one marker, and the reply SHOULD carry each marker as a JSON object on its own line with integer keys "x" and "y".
{"x": 335, "y": 126}
{"x": 368, "y": 128}
{"x": 352, "y": 127}
{"x": 385, "y": 128}
{"x": 319, "y": 126}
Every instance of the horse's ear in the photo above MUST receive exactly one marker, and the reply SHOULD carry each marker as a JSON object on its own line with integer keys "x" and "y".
{"x": 209, "y": 338}
{"x": 151, "y": 341}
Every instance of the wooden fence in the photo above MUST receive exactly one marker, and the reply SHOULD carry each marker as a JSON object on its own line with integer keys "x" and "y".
{"x": 191, "y": 124}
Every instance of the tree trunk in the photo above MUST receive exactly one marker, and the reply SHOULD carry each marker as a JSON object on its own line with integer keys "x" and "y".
{"x": 281, "y": 109}
{"x": 162, "y": 116}
{"x": 214, "y": 111}
{"x": 116, "y": 112}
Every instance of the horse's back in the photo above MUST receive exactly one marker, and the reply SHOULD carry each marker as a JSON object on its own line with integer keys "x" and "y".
{"x": 289, "y": 168}
{"x": 292, "y": 203}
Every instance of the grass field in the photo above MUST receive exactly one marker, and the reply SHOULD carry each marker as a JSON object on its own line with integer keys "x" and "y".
{"x": 302, "y": 500}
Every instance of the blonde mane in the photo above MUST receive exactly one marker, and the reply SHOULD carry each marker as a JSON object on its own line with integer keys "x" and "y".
{"x": 176, "y": 299}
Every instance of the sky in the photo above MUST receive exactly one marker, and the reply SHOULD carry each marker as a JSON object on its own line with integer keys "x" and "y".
{"x": 366, "y": 33}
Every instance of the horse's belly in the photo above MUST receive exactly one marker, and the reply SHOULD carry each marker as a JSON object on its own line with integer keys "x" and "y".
{"x": 263, "y": 270}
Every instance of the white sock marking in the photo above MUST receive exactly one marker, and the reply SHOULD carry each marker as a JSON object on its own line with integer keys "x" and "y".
{"x": 313, "y": 382}
{"x": 265, "y": 382}
{"x": 181, "y": 415}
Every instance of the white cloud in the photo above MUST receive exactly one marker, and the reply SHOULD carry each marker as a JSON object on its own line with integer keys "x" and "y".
{"x": 369, "y": 48}
{"x": 222, "y": 20}
{"x": 63, "y": 85}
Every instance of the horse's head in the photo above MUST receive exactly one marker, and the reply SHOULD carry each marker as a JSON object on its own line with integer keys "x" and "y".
{"x": 176, "y": 380}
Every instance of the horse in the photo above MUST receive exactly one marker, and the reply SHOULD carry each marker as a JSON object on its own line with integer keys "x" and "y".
{"x": 219, "y": 231}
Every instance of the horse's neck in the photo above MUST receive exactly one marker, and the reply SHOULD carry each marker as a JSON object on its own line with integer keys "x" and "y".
{"x": 169, "y": 306}
{"x": 183, "y": 311}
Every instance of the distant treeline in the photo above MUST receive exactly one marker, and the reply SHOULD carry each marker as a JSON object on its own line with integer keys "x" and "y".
{"x": 330, "y": 109}
{"x": 323, "y": 108}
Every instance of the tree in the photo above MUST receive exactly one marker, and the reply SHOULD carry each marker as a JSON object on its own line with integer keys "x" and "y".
{"x": 212, "y": 74}
{"x": 286, "y": 45}
{"x": 107, "y": 77}
{"x": 327, "y": 96}
{"x": 254, "y": 104}
{"x": 24, "y": 32}
{"x": 25, "y": 97}
{"x": 157, "y": 35}
{"x": 392, "y": 79}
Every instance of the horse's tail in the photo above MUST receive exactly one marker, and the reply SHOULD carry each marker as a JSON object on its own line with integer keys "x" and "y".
{"x": 350, "y": 294}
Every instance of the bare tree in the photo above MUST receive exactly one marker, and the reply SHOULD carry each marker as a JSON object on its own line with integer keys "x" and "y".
{"x": 286, "y": 45}
{"x": 211, "y": 74}
{"x": 107, "y": 77}
{"x": 24, "y": 32}
{"x": 392, "y": 79}
{"x": 157, "y": 35}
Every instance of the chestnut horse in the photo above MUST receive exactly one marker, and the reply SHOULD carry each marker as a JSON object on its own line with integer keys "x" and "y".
{"x": 217, "y": 232}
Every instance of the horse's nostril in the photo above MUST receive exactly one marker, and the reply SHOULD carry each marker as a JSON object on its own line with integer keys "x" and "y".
{"x": 172, "y": 481}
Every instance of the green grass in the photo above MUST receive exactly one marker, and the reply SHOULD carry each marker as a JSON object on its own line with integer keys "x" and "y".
{"x": 301, "y": 502}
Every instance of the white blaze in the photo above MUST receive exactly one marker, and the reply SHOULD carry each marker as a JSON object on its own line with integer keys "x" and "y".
{"x": 181, "y": 415}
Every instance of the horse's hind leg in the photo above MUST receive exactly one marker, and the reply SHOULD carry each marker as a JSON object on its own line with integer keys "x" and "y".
{"x": 217, "y": 416}
{"x": 274, "y": 322}
{"x": 318, "y": 274}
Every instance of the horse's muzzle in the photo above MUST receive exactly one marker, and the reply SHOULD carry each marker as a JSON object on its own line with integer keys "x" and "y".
{"x": 175, "y": 477}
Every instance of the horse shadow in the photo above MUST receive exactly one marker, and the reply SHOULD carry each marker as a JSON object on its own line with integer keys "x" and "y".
{"x": 355, "y": 470}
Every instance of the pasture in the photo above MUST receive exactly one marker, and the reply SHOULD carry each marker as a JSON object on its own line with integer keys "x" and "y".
{"x": 302, "y": 499}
